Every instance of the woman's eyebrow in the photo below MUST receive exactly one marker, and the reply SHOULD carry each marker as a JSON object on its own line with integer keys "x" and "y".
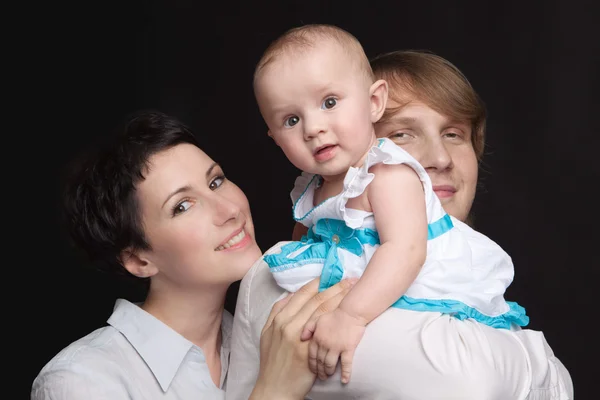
{"x": 210, "y": 169}
{"x": 176, "y": 191}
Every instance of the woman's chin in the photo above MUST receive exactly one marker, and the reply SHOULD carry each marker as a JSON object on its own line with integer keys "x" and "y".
{"x": 245, "y": 259}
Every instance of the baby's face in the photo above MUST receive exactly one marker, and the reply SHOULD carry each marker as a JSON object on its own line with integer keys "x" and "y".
{"x": 318, "y": 107}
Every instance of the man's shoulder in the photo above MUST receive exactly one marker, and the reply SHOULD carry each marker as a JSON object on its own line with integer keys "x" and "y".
{"x": 258, "y": 290}
{"x": 259, "y": 276}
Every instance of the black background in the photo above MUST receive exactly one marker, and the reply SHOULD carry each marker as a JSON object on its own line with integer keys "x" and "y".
{"x": 535, "y": 64}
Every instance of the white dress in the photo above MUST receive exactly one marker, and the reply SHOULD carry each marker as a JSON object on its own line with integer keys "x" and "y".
{"x": 465, "y": 273}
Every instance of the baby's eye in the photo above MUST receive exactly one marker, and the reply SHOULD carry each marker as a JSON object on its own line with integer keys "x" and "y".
{"x": 291, "y": 121}
{"x": 329, "y": 103}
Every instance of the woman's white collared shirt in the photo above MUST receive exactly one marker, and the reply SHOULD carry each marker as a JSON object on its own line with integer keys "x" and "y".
{"x": 135, "y": 357}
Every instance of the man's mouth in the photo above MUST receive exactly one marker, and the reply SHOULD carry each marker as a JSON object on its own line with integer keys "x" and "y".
{"x": 444, "y": 191}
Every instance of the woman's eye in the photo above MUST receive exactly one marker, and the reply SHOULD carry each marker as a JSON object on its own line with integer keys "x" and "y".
{"x": 329, "y": 103}
{"x": 291, "y": 121}
{"x": 182, "y": 207}
{"x": 216, "y": 183}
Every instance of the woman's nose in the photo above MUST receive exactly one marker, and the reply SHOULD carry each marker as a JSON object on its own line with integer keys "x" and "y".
{"x": 225, "y": 210}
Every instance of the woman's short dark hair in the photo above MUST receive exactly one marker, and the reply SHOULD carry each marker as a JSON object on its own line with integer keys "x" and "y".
{"x": 100, "y": 209}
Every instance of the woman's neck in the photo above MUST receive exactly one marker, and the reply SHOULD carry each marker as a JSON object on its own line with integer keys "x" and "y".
{"x": 195, "y": 315}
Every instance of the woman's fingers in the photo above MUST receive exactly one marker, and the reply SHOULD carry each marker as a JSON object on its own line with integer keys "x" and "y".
{"x": 309, "y": 329}
{"x": 327, "y": 306}
{"x": 277, "y": 307}
{"x": 320, "y": 302}
{"x": 297, "y": 301}
{"x": 304, "y": 303}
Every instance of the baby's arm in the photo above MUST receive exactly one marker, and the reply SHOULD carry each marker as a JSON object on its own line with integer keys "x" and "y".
{"x": 397, "y": 199}
{"x": 299, "y": 231}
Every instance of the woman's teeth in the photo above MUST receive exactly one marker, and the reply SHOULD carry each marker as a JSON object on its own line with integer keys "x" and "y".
{"x": 233, "y": 241}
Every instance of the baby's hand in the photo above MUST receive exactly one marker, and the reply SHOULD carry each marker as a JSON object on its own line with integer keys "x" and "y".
{"x": 336, "y": 334}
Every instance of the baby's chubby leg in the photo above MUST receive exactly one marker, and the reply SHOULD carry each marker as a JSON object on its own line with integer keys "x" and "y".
{"x": 424, "y": 355}
{"x": 293, "y": 265}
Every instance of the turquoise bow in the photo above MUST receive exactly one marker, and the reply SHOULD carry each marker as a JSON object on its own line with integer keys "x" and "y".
{"x": 333, "y": 234}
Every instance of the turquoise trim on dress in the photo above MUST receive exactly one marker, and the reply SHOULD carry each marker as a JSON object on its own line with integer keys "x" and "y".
{"x": 281, "y": 261}
{"x": 323, "y": 248}
{"x": 439, "y": 227}
{"x": 327, "y": 235}
{"x": 324, "y": 238}
{"x": 298, "y": 200}
{"x": 334, "y": 233}
{"x": 320, "y": 178}
{"x": 515, "y": 314}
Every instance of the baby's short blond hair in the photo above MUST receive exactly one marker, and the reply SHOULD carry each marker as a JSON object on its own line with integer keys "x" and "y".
{"x": 306, "y": 37}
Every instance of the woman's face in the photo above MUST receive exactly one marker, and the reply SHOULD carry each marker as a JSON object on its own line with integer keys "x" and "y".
{"x": 444, "y": 148}
{"x": 198, "y": 223}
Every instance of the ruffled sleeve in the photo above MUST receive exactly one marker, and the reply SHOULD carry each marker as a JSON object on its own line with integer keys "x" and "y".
{"x": 357, "y": 179}
{"x": 302, "y": 196}
{"x": 300, "y": 186}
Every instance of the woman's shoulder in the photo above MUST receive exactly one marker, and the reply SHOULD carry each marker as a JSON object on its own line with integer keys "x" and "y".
{"x": 85, "y": 358}
{"x": 99, "y": 341}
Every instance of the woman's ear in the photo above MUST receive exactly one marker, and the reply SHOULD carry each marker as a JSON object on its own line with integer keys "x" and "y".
{"x": 137, "y": 264}
{"x": 379, "y": 96}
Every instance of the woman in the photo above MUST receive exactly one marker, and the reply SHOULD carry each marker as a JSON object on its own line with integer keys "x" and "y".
{"x": 434, "y": 114}
{"x": 155, "y": 206}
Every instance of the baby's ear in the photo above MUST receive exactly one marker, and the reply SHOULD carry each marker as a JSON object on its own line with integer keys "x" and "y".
{"x": 379, "y": 97}
{"x": 272, "y": 137}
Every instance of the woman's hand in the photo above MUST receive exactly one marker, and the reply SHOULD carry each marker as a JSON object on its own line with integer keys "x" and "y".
{"x": 284, "y": 371}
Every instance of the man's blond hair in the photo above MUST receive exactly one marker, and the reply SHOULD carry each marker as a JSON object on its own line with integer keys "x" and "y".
{"x": 424, "y": 76}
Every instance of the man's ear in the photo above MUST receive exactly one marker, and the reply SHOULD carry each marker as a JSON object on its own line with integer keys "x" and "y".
{"x": 137, "y": 264}
{"x": 379, "y": 96}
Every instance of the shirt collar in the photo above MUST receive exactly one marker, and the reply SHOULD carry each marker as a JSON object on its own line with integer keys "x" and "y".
{"x": 161, "y": 348}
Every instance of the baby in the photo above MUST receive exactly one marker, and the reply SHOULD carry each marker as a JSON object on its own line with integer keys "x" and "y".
{"x": 368, "y": 205}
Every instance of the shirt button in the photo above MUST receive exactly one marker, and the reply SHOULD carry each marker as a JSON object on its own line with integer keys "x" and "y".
{"x": 335, "y": 239}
